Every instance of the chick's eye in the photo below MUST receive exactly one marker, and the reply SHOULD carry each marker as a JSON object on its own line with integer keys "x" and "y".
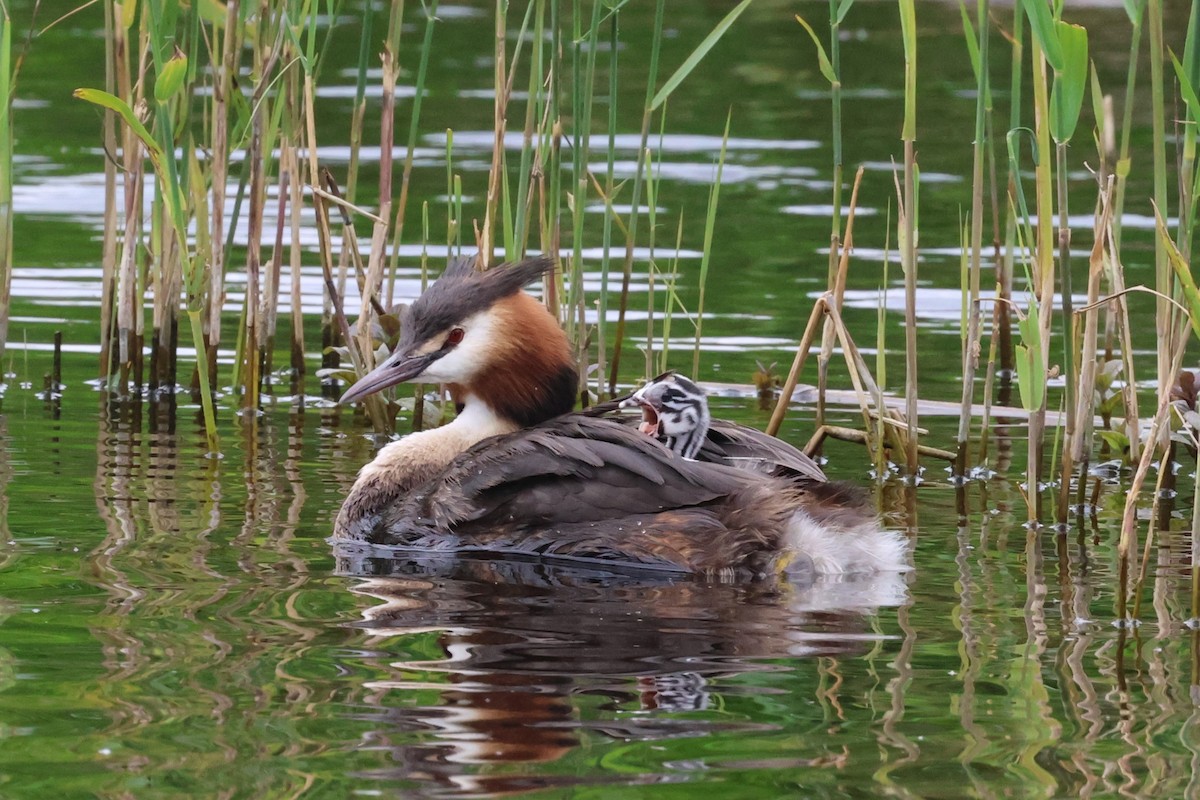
{"x": 455, "y": 337}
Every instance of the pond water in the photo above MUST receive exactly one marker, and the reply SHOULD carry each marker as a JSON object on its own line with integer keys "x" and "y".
{"x": 175, "y": 624}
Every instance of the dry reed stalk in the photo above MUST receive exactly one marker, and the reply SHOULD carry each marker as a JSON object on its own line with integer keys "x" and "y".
{"x": 252, "y": 309}
{"x": 372, "y": 285}
{"x": 789, "y": 383}
{"x": 269, "y": 297}
{"x": 219, "y": 158}
{"x": 550, "y": 214}
{"x": 108, "y": 258}
{"x": 1127, "y": 543}
{"x": 1165, "y": 479}
{"x": 368, "y": 287}
{"x": 861, "y": 437}
{"x": 373, "y": 404}
{"x": 1116, "y": 282}
{"x": 359, "y": 113}
{"x": 487, "y": 244}
{"x": 406, "y": 175}
{"x": 838, "y": 274}
{"x": 1079, "y": 444}
{"x": 134, "y": 173}
{"x": 291, "y": 169}
{"x": 1070, "y": 365}
{"x": 842, "y": 272}
{"x": 1164, "y": 280}
{"x": 989, "y": 381}
{"x": 130, "y": 243}
{"x": 865, "y": 387}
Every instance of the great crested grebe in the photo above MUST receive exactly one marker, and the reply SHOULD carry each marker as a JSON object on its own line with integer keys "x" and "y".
{"x": 518, "y": 474}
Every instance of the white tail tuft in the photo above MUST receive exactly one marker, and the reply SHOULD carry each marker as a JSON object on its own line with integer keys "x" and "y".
{"x": 845, "y": 549}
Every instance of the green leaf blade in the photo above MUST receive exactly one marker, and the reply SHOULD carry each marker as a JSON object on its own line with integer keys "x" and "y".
{"x": 1042, "y": 23}
{"x": 1070, "y": 83}
{"x": 698, "y": 55}
{"x": 822, "y": 57}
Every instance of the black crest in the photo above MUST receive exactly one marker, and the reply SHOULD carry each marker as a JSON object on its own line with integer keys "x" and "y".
{"x": 462, "y": 291}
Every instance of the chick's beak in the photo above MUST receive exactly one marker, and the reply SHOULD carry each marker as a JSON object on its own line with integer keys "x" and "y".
{"x": 398, "y": 368}
{"x": 650, "y": 419}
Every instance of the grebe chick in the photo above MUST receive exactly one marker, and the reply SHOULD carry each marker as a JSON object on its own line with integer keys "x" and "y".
{"x": 675, "y": 411}
{"x": 516, "y": 474}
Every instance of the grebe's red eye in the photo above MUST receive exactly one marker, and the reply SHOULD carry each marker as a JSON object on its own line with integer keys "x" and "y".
{"x": 455, "y": 337}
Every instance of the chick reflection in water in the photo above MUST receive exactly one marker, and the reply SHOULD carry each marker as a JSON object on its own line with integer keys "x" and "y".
{"x": 534, "y": 661}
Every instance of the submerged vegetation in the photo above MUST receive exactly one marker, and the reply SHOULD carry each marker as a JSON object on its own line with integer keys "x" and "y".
{"x": 214, "y": 106}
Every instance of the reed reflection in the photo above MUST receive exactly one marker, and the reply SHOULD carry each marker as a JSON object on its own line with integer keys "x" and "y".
{"x": 203, "y": 579}
{"x": 536, "y": 660}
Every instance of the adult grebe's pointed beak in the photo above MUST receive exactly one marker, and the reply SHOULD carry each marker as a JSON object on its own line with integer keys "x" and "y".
{"x": 398, "y": 368}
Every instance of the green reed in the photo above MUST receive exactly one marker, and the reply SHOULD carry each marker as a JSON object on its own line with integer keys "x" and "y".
{"x": 971, "y": 328}
{"x": 908, "y": 227}
{"x": 641, "y": 176}
{"x": 7, "y": 75}
{"x": 710, "y": 220}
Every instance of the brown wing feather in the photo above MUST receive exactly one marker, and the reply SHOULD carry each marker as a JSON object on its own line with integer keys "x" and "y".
{"x": 587, "y": 489}
{"x": 734, "y": 444}
{"x": 573, "y": 468}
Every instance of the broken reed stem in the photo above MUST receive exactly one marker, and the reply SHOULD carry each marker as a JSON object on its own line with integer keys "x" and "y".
{"x": 789, "y": 383}
{"x": 865, "y": 387}
{"x": 856, "y": 436}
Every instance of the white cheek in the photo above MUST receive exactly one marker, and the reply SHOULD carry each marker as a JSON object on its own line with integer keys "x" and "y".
{"x": 457, "y": 366}
{"x": 465, "y": 361}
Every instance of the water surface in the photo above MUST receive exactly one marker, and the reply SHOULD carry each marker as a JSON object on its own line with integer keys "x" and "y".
{"x": 174, "y": 624}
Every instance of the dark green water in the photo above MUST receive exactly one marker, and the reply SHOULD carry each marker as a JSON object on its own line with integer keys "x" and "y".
{"x": 175, "y": 625}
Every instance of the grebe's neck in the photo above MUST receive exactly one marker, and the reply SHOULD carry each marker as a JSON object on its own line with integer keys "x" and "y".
{"x": 528, "y": 374}
{"x": 408, "y": 463}
{"x": 418, "y": 456}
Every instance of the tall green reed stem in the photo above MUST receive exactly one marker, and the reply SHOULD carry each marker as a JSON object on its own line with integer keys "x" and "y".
{"x": 908, "y": 228}
{"x": 971, "y": 334}
{"x": 6, "y": 176}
